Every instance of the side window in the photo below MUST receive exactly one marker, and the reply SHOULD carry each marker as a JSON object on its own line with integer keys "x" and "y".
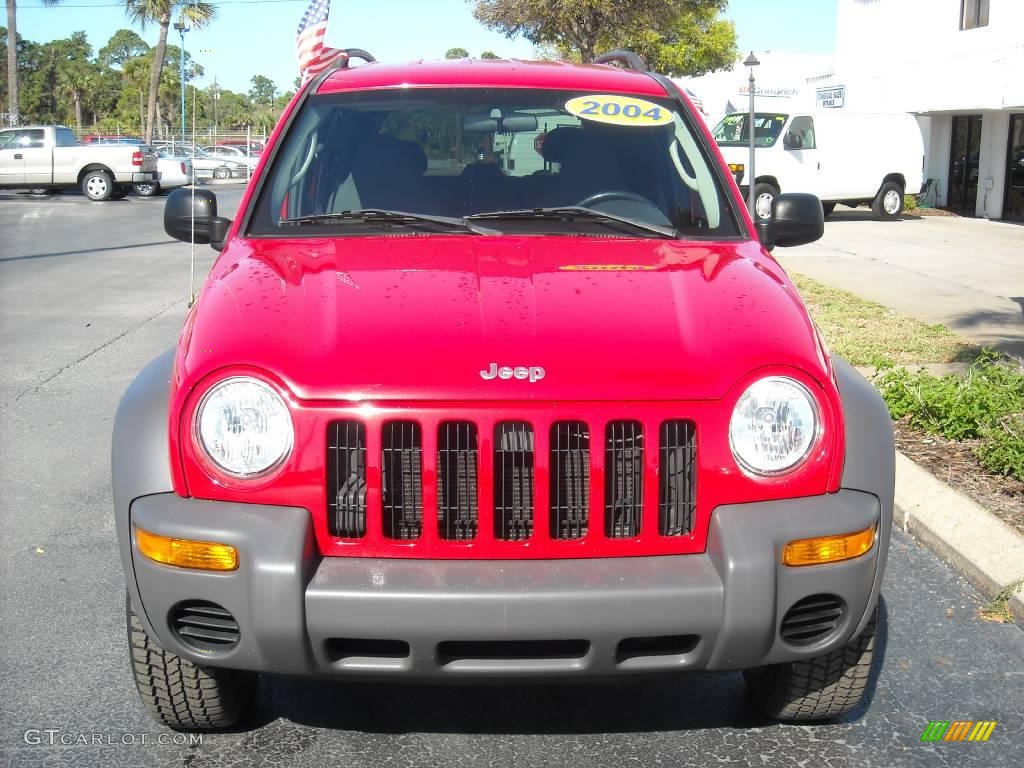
{"x": 7, "y": 139}
{"x": 65, "y": 138}
{"x": 800, "y": 134}
{"x": 30, "y": 139}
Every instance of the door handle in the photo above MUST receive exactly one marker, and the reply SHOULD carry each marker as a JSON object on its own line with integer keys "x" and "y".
{"x": 18, "y": 157}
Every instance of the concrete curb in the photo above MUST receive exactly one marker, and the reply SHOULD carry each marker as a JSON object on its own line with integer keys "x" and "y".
{"x": 984, "y": 549}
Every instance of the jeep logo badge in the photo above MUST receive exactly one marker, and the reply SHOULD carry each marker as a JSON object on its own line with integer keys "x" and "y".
{"x": 532, "y": 374}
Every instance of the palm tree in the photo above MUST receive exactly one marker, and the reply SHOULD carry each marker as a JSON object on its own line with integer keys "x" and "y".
{"x": 12, "y": 55}
{"x": 77, "y": 83}
{"x": 160, "y": 12}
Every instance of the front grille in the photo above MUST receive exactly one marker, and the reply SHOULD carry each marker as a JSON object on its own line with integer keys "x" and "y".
{"x": 677, "y": 496}
{"x": 569, "y": 479}
{"x": 460, "y": 481}
{"x": 458, "y": 508}
{"x": 811, "y": 619}
{"x": 402, "y": 480}
{"x": 513, "y": 481}
{"x": 204, "y": 626}
{"x": 346, "y": 479}
{"x": 623, "y": 479}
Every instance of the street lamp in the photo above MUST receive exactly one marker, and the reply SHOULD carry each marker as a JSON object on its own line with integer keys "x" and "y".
{"x": 182, "y": 29}
{"x": 751, "y": 62}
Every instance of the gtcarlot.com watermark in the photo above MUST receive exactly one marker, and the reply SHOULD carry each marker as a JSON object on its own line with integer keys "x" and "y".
{"x": 53, "y": 737}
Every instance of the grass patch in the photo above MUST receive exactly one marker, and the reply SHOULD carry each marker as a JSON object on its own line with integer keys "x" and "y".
{"x": 998, "y": 608}
{"x": 985, "y": 404}
{"x": 866, "y": 333}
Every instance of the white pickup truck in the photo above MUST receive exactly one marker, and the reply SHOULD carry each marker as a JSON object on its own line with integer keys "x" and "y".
{"x": 47, "y": 157}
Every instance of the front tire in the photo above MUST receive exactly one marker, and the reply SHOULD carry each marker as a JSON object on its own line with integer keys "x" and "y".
{"x": 97, "y": 186}
{"x": 764, "y": 198}
{"x": 821, "y": 688}
{"x": 888, "y": 203}
{"x": 183, "y": 695}
{"x": 147, "y": 189}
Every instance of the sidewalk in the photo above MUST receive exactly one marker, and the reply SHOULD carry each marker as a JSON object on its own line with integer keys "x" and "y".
{"x": 966, "y": 274}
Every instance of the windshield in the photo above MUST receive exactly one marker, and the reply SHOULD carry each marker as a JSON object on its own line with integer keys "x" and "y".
{"x": 732, "y": 130}
{"x": 482, "y": 152}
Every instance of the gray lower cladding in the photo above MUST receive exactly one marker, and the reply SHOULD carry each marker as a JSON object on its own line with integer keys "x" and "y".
{"x": 430, "y": 620}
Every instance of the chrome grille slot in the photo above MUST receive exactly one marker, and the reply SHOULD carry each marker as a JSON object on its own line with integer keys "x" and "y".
{"x": 513, "y": 480}
{"x": 458, "y": 449}
{"x": 346, "y": 479}
{"x": 623, "y": 479}
{"x": 569, "y": 478}
{"x": 402, "y": 479}
{"x": 677, "y": 473}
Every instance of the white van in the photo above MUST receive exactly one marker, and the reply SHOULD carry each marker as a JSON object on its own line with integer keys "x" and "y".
{"x": 842, "y": 157}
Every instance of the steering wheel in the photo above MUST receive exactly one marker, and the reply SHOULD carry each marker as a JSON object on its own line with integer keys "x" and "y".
{"x": 612, "y": 195}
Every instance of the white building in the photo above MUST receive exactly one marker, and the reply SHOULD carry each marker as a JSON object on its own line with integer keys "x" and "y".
{"x": 957, "y": 64}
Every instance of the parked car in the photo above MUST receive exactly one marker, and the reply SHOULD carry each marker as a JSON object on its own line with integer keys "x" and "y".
{"x": 95, "y": 138}
{"x": 468, "y": 424}
{"x": 842, "y": 157}
{"x": 47, "y": 157}
{"x": 204, "y": 166}
{"x": 174, "y": 172}
{"x": 233, "y": 154}
{"x": 255, "y": 147}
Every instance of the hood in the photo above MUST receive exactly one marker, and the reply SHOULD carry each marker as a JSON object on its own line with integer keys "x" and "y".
{"x": 422, "y": 317}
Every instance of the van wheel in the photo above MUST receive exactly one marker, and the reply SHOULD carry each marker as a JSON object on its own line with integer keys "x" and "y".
{"x": 820, "y": 688}
{"x": 764, "y": 196}
{"x": 97, "y": 186}
{"x": 888, "y": 203}
{"x": 183, "y": 695}
{"x": 147, "y": 188}
{"x": 827, "y": 208}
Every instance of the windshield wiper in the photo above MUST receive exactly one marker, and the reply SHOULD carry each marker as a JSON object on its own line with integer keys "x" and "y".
{"x": 575, "y": 213}
{"x": 386, "y": 218}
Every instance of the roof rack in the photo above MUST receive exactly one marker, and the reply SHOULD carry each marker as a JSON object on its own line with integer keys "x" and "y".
{"x": 627, "y": 58}
{"x": 346, "y": 54}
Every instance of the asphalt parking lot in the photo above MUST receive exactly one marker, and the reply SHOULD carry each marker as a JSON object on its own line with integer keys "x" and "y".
{"x": 91, "y": 292}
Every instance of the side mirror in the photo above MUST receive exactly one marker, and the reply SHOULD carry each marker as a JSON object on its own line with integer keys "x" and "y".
{"x": 797, "y": 219}
{"x": 184, "y": 205}
{"x": 792, "y": 141}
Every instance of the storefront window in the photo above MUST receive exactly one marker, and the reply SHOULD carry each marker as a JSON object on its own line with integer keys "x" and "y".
{"x": 1014, "y": 206}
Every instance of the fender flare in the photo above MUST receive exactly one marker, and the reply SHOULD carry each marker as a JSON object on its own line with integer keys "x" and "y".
{"x": 870, "y": 458}
{"x": 140, "y": 456}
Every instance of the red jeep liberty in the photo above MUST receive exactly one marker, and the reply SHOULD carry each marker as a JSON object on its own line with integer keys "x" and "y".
{"x": 494, "y": 378}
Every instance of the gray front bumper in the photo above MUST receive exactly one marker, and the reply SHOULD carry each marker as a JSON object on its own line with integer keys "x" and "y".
{"x": 302, "y": 614}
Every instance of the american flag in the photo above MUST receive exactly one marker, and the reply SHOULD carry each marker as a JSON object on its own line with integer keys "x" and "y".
{"x": 695, "y": 100}
{"x": 313, "y": 56}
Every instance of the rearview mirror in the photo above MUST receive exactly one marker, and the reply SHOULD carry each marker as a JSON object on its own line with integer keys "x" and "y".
{"x": 190, "y": 215}
{"x": 495, "y": 122}
{"x": 797, "y": 219}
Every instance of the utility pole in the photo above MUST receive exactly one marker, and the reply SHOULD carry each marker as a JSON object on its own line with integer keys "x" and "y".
{"x": 182, "y": 29}
{"x": 751, "y": 62}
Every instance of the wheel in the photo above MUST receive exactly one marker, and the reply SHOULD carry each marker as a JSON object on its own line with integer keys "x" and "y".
{"x": 816, "y": 689}
{"x": 147, "y": 189}
{"x": 180, "y": 694}
{"x": 221, "y": 173}
{"x": 97, "y": 186}
{"x": 611, "y": 196}
{"x": 764, "y": 196}
{"x": 827, "y": 208}
{"x": 888, "y": 203}
{"x": 119, "y": 193}
{"x": 40, "y": 191}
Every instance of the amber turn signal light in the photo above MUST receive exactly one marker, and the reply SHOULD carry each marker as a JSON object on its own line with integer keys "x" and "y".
{"x": 828, "y": 549}
{"x": 184, "y": 553}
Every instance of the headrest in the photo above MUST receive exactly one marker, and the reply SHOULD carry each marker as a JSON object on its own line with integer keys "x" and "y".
{"x": 563, "y": 145}
{"x": 386, "y": 154}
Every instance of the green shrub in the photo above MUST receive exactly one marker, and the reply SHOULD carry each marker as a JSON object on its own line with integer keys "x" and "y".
{"x": 985, "y": 403}
{"x": 910, "y": 202}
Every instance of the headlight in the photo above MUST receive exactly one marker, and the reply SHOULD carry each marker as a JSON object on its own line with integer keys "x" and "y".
{"x": 244, "y": 427}
{"x": 773, "y": 426}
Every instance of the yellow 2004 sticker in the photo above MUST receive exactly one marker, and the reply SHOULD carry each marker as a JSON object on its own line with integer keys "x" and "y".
{"x": 618, "y": 110}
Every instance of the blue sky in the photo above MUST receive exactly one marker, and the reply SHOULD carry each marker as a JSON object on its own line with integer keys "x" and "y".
{"x": 258, "y": 36}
